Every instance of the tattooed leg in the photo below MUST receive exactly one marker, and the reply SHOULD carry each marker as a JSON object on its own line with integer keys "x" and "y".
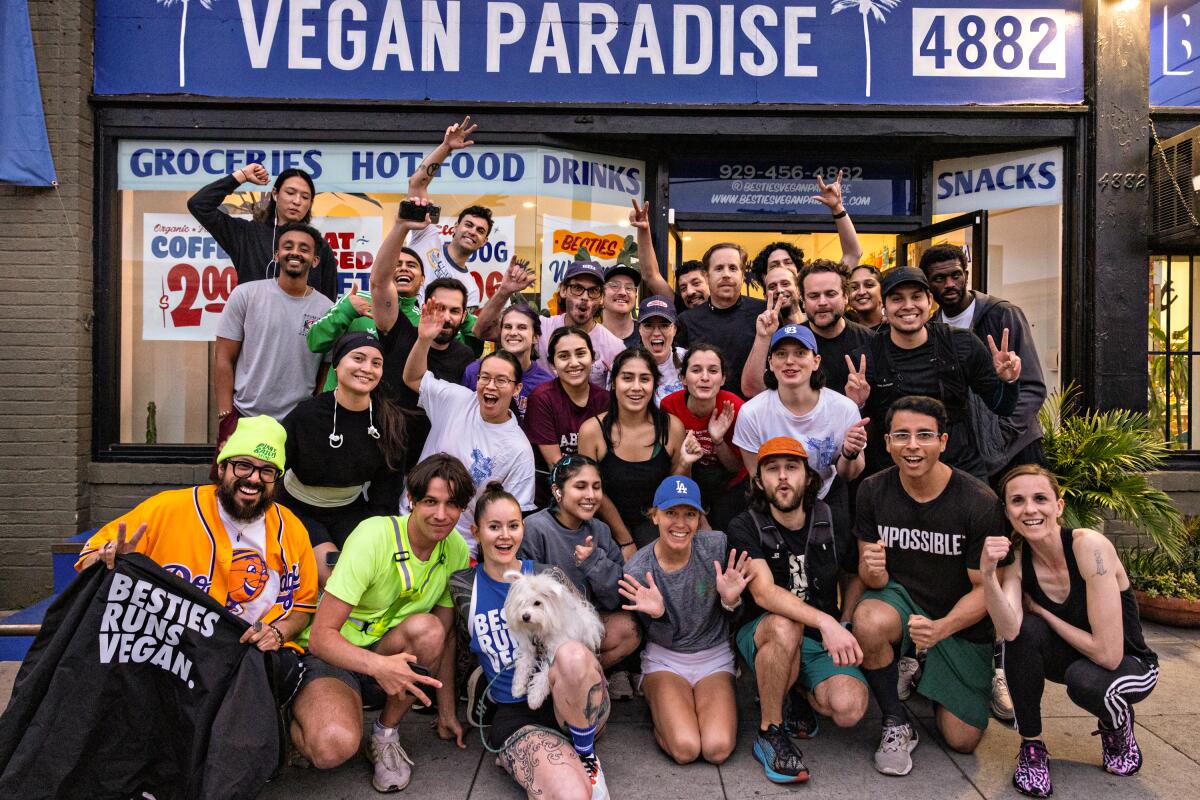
{"x": 578, "y": 687}
{"x": 544, "y": 764}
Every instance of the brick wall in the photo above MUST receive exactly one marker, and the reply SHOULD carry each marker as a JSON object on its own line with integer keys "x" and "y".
{"x": 45, "y": 336}
{"x": 116, "y": 488}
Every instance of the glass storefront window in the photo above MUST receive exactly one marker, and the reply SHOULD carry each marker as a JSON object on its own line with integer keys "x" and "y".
{"x": 1171, "y": 352}
{"x": 174, "y": 279}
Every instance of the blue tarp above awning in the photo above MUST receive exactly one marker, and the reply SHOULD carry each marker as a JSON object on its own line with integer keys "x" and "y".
{"x": 24, "y": 149}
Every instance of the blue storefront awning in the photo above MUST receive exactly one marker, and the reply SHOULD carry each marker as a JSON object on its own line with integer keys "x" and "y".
{"x": 24, "y": 148}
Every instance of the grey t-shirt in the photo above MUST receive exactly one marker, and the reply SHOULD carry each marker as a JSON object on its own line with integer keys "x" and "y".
{"x": 694, "y": 620}
{"x": 275, "y": 369}
{"x": 548, "y": 542}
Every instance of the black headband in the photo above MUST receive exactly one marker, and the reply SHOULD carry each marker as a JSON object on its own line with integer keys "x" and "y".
{"x": 353, "y": 341}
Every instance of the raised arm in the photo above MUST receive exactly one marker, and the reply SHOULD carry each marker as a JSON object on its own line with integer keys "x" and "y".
{"x": 652, "y": 280}
{"x": 385, "y": 303}
{"x": 433, "y": 316}
{"x": 756, "y": 363}
{"x": 1001, "y": 587}
{"x": 457, "y": 137}
{"x": 831, "y": 198}
{"x": 205, "y": 204}
{"x": 517, "y": 278}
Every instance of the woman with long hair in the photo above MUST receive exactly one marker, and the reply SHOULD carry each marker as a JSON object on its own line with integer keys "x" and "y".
{"x": 531, "y": 743}
{"x": 251, "y": 244}
{"x": 684, "y": 597}
{"x": 520, "y": 327}
{"x": 1066, "y": 611}
{"x": 865, "y": 297}
{"x": 479, "y": 428}
{"x": 568, "y": 535}
{"x": 345, "y": 451}
{"x": 636, "y": 445}
{"x": 557, "y": 409}
{"x": 711, "y": 413}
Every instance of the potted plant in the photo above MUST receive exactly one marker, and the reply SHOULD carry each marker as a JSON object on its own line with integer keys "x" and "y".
{"x": 1101, "y": 460}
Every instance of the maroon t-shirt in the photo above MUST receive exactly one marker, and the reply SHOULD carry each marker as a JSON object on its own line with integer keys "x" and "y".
{"x": 675, "y": 404}
{"x": 551, "y": 417}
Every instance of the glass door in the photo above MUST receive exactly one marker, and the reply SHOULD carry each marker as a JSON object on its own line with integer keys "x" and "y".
{"x": 968, "y": 231}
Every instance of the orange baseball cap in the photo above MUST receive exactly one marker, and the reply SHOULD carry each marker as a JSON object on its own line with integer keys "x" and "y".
{"x": 781, "y": 446}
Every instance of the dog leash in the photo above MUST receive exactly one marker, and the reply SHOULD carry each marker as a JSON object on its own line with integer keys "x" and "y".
{"x": 481, "y": 706}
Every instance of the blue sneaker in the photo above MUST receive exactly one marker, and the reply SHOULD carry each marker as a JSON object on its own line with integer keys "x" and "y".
{"x": 781, "y": 760}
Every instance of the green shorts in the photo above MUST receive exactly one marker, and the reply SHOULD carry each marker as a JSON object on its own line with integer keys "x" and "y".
{"x": 816, "y": 665}
{"x": 957, "y": 674}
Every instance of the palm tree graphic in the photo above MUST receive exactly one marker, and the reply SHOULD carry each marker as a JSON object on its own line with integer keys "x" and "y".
{"x": 867, "y": 8}
{"x": 183, "y": 30}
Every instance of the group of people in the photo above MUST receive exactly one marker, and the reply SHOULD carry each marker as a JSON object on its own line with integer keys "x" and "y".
{"x": 834, "y": 485}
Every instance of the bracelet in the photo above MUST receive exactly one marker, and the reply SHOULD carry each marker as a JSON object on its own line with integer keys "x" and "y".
{"x": 840, "y": 214}
{"x": 733, "y": 607}
{"x": 625, "y": 544}
{"x": 849, "y": 457}
{"x": 278, "y": 633}
{"x": 223, "y": 414}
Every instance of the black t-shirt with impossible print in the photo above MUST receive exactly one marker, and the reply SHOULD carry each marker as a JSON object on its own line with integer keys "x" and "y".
{"x": 930, "y": 546}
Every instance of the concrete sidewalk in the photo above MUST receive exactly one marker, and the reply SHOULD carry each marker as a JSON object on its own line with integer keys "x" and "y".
{"x": 1168, "y": 730}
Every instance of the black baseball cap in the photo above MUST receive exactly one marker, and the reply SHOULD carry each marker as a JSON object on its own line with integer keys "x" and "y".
{"x": 899, "y": 276}
{"x": 623, "y": 269}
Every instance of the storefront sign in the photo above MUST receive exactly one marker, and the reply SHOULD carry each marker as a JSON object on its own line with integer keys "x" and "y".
{"x": 1174, "y": 53}
{"x": 1004, "y": 180}
{"x": 708, "y": 51}
{"x": 188, "y": 165}
{"x": 563, "y": 240}
{"x": 749, "y": 185}
{"x": 353, "y": 241}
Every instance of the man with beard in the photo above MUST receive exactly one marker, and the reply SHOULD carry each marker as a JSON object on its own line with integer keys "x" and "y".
{"x": 931, "y": 359}
{"x": 231, "y": 540}
{"x": 579, "y": 295}
{"x": 795, "y": 640}
{"x": 470, "y": 233}
{"x": 262, "y": 364}
{"x": 1006, "y": 442}
{"x": 823, "y": 287}
{"x": 727, "y": 319}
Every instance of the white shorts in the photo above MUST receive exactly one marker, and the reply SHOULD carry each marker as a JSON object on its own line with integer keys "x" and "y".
{"x": 692, "y": 667}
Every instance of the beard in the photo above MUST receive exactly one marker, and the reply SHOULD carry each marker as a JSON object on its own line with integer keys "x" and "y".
{"x": 784, "y": 507}
{"x": 227, "y": 496}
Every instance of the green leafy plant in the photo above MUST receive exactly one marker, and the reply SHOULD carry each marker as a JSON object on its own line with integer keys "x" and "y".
{"x": 1153, "y": 572}
{"x": 1168, "y": 374}
{"x": 1101, "y": 459}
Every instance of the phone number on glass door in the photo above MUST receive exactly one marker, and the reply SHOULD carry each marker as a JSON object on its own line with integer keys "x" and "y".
{"x": 786, "y": 172}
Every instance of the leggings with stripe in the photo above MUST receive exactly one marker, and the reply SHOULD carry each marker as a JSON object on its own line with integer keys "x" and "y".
{"x": 1038, "y": 654}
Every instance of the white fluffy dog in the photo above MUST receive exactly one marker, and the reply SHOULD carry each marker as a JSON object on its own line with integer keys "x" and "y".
{"x": 543, "y": 613}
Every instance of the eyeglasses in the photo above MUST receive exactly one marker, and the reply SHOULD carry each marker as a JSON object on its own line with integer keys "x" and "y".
{"x": 500, "y": 381}
{"x": 922, "y": 437}
{"x": 244, "y": 469}
{"x": 620, "y": 288}
{"x": 579, "y": 290}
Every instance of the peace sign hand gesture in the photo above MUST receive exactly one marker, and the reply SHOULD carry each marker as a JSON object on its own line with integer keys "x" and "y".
{"x": 732, "y": 581}
{"x": 768, "y": 321}
{"x": 646, "y": 599}
{"x": 458, "y": 135}
{"x": 110, "y": 551}
{"x": 857, "y": 388}
{"x": 1006, "y": 362}
{"x": 831, "y": 194}
{"x": 639, "y": 217}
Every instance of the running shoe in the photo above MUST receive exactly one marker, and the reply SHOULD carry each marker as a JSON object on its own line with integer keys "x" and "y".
{"x": 591, "y": 765}
{"x": 1121, "y": 753}
{"x": 476, "y": 686}
{"x": 782, "y": 761}
{"x": 799, "y": 719}
{"x": 1002, "y": 707}
{"x": 899, "y": 739}
{"x": 619, "y": 686}
{"x": 393, "y": 767}
{"x": 910, "y": 673}
{"x": 1032, "y": 775}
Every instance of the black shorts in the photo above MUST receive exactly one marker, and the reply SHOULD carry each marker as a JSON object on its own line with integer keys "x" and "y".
{"x": 364, "y": 686}
{"x": 502, "y": 720}
{"x": 326, "y": 525}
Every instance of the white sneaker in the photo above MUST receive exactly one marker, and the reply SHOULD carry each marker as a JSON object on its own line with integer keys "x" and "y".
{"x": 591, "y": 765}
{"x": 909, "y": 670}
{"x": 1002, "y": 706}
{"x": 894, "y": 755}
{"x": 619, "y": 687}
{"x": 393, "y": 767}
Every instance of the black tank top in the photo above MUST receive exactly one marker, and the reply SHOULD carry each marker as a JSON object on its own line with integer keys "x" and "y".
{"x": 1073, "y": 610}
{"x": 630, "y": 485}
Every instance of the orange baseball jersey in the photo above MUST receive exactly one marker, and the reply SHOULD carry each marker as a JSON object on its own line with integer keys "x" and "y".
{"x": 185, "y": 536}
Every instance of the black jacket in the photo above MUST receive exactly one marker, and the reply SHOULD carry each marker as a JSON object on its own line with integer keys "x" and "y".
{"x": 137, "y": 683}
{"x": 1008, "y": 435}
{"x": 251, "y": 245}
